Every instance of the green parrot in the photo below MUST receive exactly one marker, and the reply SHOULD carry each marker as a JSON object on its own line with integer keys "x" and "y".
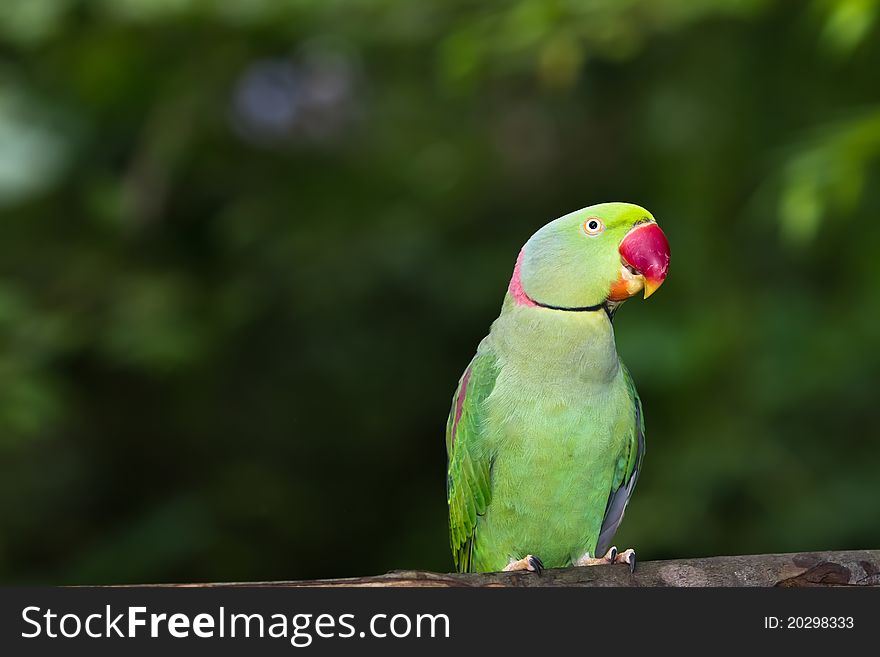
{"x": 545, "y": 438}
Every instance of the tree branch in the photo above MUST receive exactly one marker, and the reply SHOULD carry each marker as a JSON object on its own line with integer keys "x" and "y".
{"x": 847, "y": 568}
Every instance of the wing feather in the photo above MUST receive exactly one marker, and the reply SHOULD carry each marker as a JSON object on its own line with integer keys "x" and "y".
{"x": 468, "y": 467}
{"x": 623, "y": 486}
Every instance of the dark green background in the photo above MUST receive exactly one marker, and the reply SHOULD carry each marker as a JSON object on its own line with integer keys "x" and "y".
{"x": 247, "y": 249}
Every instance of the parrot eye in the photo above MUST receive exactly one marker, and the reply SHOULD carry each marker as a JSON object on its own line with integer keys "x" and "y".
{"x": 593, "y": 226}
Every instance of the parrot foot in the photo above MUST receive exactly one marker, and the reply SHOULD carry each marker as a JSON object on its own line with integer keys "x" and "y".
{"x": 588, "y": 560}
{"x": 528, "y": 562}
{"x": 612, "y": 556}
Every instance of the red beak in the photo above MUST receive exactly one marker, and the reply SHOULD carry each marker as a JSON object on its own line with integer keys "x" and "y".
{"x": 646, "y": 249}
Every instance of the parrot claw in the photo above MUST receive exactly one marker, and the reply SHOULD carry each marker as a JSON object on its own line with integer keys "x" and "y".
{"x": 535, "y": 564}
{"x": 529, "y": 562}
{"x": 628, "y": 557}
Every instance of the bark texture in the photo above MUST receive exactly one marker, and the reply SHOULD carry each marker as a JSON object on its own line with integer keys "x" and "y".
{"x": 846, "y": 568}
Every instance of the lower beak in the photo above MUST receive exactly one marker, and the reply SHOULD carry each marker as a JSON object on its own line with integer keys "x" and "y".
{"x": 651, "y": 286}
{"x": 645, "y": 250}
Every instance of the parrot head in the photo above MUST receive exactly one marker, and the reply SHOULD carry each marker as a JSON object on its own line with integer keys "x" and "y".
{"x": 588, "y": 258}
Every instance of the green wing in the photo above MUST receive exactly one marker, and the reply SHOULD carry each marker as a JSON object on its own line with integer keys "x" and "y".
{"x": 468, "y": 462}
{"x": 625, "y": 476}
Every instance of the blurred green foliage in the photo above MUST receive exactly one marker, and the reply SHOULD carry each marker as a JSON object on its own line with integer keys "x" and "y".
{"x": 248, "y": 248}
